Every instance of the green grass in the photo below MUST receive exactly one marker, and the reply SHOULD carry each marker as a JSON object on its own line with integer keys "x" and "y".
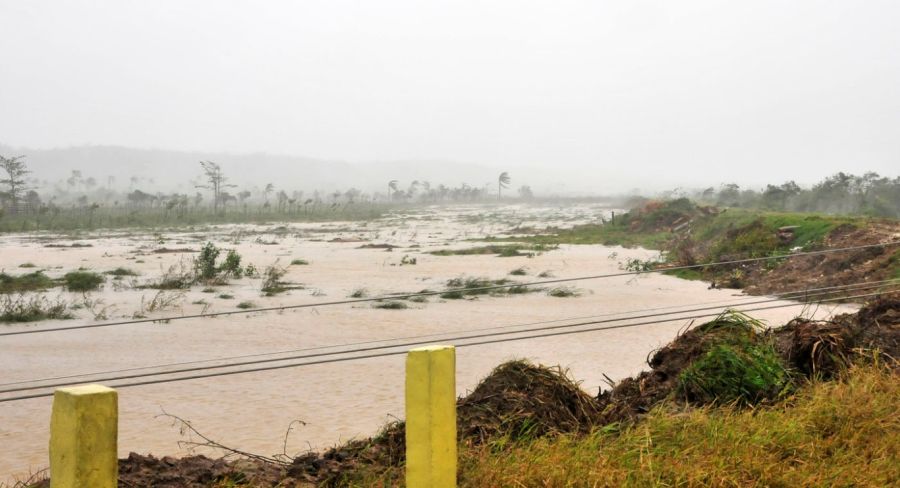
{"x": 503, "y": 251}
{"x": 606, "y": 234}
{"x": 744, "y": 374}
{"x": 160, "y": 218}
{"x": 83, "y": 280}
{"x": 686, "y": 274}
{"x": 895, "y": 265}
{"x": 842, "y": 433}
{"x": 27, "y": 282}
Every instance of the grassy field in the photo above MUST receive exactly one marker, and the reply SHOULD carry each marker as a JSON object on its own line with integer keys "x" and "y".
{"x": 84, "y": 219}
{"x": 836, "y": 433}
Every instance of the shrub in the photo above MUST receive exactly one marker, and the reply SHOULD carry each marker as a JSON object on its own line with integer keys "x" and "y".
{"x": 83, "y": 280}
{"x": 31, "y": 309}
{"x": 26, "y": 282}
{"x": 205, "y": 263}
{"x": 272, "y": 284}
{"x": 232, "y": 265}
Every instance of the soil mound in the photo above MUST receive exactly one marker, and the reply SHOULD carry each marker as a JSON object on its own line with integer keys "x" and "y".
{"x": 824, "y": 348}
{"x": 832, "y": 269}
{"x": 635, "y": 396}
{"x": 523, "y": 400}
{"x": 517, "y": 400}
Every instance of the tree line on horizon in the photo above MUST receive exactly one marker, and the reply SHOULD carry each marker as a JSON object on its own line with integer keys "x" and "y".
{"x": 20, "y": 194}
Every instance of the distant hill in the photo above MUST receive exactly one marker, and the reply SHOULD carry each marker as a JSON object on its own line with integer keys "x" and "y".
{"x": 163, "y": 170}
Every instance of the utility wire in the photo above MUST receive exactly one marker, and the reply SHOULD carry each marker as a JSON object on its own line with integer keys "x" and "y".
{"x": 432, "y": 293}
{"x": 377, "y": 348}
{"x": 395, "y": 353}
{"x": 722, "y": 303}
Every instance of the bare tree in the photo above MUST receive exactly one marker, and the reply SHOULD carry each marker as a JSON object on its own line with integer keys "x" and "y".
{"x": 216, "y": 182}
{"x": 15, "y": 180}
{"x": 392, "y": 188}
{"x": 502, "y": 182}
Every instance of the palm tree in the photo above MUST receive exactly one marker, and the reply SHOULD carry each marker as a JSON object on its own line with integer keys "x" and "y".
{"x": 502, "y": 182}
{"x": 392, "y": 188}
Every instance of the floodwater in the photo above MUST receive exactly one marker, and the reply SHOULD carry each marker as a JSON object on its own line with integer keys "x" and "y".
{"x": 337, "y": 401}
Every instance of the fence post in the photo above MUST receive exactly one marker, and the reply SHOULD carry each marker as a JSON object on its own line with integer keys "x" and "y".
{"x": 83, "y": 437}
{"x": 431, "y": 417}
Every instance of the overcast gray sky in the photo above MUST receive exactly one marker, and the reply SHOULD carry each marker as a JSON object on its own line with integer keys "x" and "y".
{"x": 622, "y": 92}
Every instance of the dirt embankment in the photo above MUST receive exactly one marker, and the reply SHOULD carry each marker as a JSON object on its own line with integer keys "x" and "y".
{"x": 834, "y": 269}
{"x": 697, "y": 234}
{"x": 520, "y": 400}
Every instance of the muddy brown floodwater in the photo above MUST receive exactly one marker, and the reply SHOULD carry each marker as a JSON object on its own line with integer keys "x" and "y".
{"x": 338, "y": 401}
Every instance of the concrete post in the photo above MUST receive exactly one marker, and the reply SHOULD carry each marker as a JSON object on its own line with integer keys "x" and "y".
{"x": 83, "y": 437}
{"x": 431, "y": 417}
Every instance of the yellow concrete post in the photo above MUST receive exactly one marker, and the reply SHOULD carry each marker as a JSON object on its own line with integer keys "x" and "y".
{"x": 431, "y": 417}
{"x": 83, "y": 437}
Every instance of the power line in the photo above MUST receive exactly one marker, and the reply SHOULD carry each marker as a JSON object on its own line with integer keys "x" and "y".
{"x": 376, "y": 348}
{"x": 432, "y": 293}
{"x": 395, "y": 353}
{"x": 722, "y": 303}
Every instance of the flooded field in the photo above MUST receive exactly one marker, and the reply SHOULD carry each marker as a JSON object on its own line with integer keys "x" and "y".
{"x": 324, "y": 262}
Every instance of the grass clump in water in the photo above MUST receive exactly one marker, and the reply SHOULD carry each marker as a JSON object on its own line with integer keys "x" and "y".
{"x": 246, "y": 305}
{"x": 500, "y": 250}
{"x": 83, "y": 280}
{"x": 27, "y": 282}
{"x": 359, "y": 293}
{"x": 564, "y": 292}
{"x": 520, "y": 271}
{"x": 31, "y": 309}
{"x": 463, "y": 287}
{"x": 390, "y": 305}
{"x": 121, "y": 272}
{"x": 299, "y": 262}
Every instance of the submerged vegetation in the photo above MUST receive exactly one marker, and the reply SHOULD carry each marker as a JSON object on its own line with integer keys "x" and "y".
{"x": 83, "y": 280}
{"x": 35, "y": 281}
{"x": 503, "y": 251}
{"x": 31, "y": 308}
